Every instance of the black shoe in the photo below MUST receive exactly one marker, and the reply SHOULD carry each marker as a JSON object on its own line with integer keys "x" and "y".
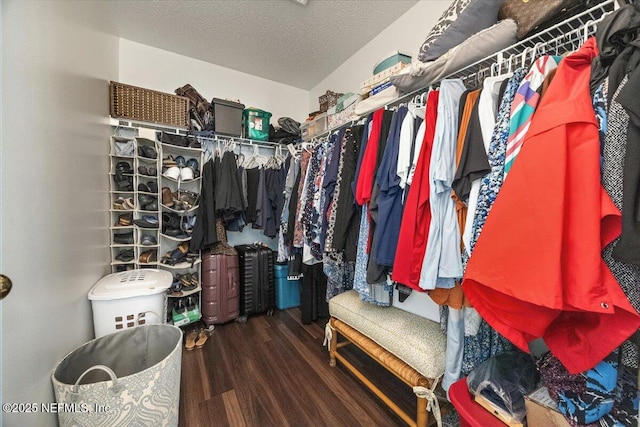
{"x": 123, "y": 238}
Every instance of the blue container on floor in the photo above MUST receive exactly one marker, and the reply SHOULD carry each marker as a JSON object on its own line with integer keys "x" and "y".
{"x": 287, "y": 291}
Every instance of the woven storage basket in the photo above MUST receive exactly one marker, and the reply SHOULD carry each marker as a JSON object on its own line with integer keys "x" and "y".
{"x": 328, "y": 100}
{"x": 136, "y": 103}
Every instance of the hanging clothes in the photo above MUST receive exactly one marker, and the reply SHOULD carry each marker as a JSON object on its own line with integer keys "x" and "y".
{"x": 525, "y": 104}
{"x": 390, "y": 196}
{"x": 204, "y": 231}
{"x": 548, "y": 279}
{"x": 298, "y": 230}
{"x": 347, "y": 212}
{"x": 480, "y": 132}
{"x": 416, "y": 217}
{"x": 442, "y": 262}
{"x": 367, "y": 167}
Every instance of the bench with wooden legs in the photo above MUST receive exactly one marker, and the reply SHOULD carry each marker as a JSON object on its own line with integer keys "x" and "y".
{"x": 409, "y": 346}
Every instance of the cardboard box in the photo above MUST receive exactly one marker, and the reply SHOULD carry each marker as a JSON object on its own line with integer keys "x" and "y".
{"x": 542, "y": 411}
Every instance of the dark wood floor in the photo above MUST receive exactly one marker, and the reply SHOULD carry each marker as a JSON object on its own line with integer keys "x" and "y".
{"x": 274, "y": 371}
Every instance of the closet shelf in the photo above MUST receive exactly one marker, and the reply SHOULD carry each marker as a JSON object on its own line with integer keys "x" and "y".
{"x": 121, "y": 227}
{"x": 176, "y": 239}
{"x": 181, "y": 265}
{"x": 121, "y": 211}
{"x": 177, "y": 149}
{"x": 133, "y": 261}
{"x": 121, "y": 157}
{"x": 122, "y": 245}
{"x": 182, "y": 181}
{"x": 147, "y": 160}
{"x": 147, "y": 193}
{"x": 147, "y": 212}
{"x": 185, "y": 293}
{"x": 124, "y": 174}
{"x": 180, "y": 212}
{"x": 119, "y": 138}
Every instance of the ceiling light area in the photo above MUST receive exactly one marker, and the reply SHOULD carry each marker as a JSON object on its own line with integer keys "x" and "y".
{"x": 302, "y": 2}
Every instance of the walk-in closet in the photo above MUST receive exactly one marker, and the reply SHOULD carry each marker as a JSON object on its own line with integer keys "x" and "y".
{"x": 320, "y": 213}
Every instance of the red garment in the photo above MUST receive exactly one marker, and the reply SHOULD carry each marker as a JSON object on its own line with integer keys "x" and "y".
{"x": 364, "y": 183}
{"x": 536, "y": 270}
{"x": 416, "y": 217}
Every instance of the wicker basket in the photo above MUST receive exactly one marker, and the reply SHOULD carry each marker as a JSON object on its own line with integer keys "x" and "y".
{"x": 136, "y": 103}
{"x": 328, "y": 100}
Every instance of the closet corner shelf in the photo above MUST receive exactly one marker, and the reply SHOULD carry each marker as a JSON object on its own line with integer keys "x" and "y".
{"x": 121, "y": 192}
{"x": 182, "y": 212}
{"x": 177, "y": 148}
{"x": 121, "y": 227}
{"x": 182, "y": 181}
{"x": 176, "y": 239}
{"x": 143, "y": 264}
{"x": 122, "y": 245}
{"x": 181, "y": 265}
{"x": 124, "y": 174}
{"x": 133, "y": 261}
{"x": 119, "y": 138}
{"x": 185, "y": 293}
{"x": 121, "y": 122}
{"x": 147, "y": 159}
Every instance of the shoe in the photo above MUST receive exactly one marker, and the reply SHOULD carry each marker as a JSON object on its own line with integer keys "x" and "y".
{"x": 170, "y": 220}
{"x": 167, "y": 197}
{"x": 193, "y": 164}
{"x": 147, "y": 221}
{"x": 169, "y": 161}
{"x": 181, "y": 162}
{"x": 190, "y": 341}
{"x": 143, "y": 188}
{"x": 202, "y": 339}
{"x": 173, "y": 173}
{"x": 124, "y": 220}
{"x": 148, "y": 256}
{"x": 125, "y": 255}
{"x": 152, "y": 186}
{"x": 147, "y": 171}
{"x": 147, "y": 151}
{"x": 145, "y": 199}
{"x": 123, "y": 238}
{"x": 153, "y": 206}
{"x": 176, "y": 288}
{"x": 148, "y": 240}
{"x": 186, "y": 174}
{"x": 123, "y": 167}
{"x": 119, "y": 204}
{"x": 123, "y": 183}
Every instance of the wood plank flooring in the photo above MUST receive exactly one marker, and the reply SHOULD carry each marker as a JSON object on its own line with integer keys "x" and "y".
{"x": 274, "y": 371}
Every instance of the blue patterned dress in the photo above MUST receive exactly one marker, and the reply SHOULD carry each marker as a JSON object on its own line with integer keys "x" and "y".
{"x": 487, "y": 342}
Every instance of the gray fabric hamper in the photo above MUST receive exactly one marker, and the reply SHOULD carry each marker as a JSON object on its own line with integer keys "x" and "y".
{"x": 128, "y": 378}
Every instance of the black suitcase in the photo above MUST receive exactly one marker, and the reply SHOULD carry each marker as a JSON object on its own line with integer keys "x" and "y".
{"x": 257, "y": 280}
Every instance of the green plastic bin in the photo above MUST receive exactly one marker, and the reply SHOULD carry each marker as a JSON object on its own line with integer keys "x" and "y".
{"x": 256, "y": 124}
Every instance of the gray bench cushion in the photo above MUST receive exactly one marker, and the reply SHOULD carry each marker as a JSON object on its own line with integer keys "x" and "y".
{"x": 417, "y": 341}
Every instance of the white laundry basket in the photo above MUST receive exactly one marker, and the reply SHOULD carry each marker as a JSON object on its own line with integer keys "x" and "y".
{"x": 128, "y": 378}
{"x": 129, "y": 299}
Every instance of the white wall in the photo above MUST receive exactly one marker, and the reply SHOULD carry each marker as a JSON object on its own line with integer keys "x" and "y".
{"x": 406, "y": 34}
{"x": 54, "y": 188}
{"x": 158, "y": 69}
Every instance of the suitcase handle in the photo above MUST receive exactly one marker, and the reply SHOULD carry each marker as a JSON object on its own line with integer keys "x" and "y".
{"x": 116, "y": 388}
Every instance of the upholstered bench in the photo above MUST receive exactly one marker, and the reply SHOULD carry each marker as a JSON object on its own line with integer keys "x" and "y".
{"x": 409, "y": 346}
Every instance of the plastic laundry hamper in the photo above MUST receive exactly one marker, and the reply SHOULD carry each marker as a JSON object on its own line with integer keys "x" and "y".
{"x": 128, "y": 299}
{"x": 128, "y": 378}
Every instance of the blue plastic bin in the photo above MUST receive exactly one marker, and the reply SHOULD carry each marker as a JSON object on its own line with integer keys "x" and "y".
{"x": 287, "y": 291}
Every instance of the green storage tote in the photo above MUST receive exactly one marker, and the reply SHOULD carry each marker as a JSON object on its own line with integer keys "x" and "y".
{"x": 256, "y": 124}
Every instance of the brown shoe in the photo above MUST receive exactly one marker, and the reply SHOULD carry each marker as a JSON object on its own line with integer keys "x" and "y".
{"x": 167, "y": 197}
{"x": 202, "y": 339}
{"x": 148, "y": 256}
{"x": 190, "y": 341}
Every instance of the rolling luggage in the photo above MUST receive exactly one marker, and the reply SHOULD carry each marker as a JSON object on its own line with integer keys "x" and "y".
{"x": 220, "y": 288}
{"x": 257, "y": 289}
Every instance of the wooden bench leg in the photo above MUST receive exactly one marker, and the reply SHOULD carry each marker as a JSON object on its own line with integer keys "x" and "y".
{"x": 422, "y": 416}
{"x": 333, "y": 344}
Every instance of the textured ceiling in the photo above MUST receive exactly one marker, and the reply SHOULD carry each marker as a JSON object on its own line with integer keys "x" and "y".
{"x": 279, "y": 40}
